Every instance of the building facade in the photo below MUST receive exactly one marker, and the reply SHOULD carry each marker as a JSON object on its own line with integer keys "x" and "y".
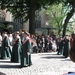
{"x": 16, "y": 24}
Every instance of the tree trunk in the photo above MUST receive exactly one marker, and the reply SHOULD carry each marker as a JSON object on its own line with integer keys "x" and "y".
{"x": 59, "y": 31}
{"x": 32, "y": 17}
{"x": 69, "y": 15}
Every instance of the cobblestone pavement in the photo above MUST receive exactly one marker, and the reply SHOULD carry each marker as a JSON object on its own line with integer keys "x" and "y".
{"x": 43, "y": 64}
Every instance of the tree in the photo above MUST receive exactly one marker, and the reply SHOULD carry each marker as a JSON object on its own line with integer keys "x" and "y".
{"x": 26, "y": 9}
{"x": 71, "y": 6}
{"x": 68, "y": 8}
{"x": 56, "y": 16}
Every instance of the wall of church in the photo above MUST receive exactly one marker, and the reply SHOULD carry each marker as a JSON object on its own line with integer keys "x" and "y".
{"x": 8, "y": 17}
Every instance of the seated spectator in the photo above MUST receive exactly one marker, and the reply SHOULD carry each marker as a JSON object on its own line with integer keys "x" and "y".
{"x": 40, "y": 46}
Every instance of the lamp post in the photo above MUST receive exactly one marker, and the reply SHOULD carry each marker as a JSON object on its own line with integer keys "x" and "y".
{"x": 47, "y": 23}
{"x": 47, "y": 28}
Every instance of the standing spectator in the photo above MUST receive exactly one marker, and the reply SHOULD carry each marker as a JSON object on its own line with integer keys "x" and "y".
{"x": 71, "y": 39}
{"x": 34, "y": 44}
{"x": 40, "y": 46}
{"x": 43, "y": 43}
{"x": 54, "y": 46}
{"x": 0, "y": 42}
{"x": 46, "y": 41}
{"x": 49, "y": 44}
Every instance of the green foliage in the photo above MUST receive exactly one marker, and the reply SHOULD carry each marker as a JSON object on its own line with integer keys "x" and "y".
{"x": 56, "y": 16}
{"x": 26, "y": 9}
{"x": 21, "y": 7}
{"x": 67, "y": 2}
{"x": 2, "y": 26}
{"x": 17, "y": 7}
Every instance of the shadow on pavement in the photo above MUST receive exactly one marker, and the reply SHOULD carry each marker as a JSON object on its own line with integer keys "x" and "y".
{"x": 1, "y": 73}
{"x": 9, "y": 66}
{"x": 46, "y": 54}
{"x": 53, "y": 57}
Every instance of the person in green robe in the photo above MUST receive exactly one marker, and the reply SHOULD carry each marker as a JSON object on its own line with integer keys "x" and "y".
{"x": 60, "y": 46}
{"x": 26, "y": 51}
{"x": 66, "y": 45}
{"x": 5, "y": 49}
{"x": 16, "y": 50}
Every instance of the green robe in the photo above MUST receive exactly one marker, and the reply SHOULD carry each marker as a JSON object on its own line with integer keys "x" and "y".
{"x": 16, "y": 52}
{"x": 30, "y": 47}
{"x": 60, "y": 48}
{"x": 26, "y": 54}
{"x": 5, "y": 49}
{"x": 66, "y": 48}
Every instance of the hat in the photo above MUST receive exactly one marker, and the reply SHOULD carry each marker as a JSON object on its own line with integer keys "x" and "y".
{"x": 27, "y": 33}
{"x": 17, "y": 32}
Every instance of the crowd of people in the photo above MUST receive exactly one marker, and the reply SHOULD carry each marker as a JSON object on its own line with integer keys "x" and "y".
{"x": 54, "y": 44}
{"x": 19, "y": 46}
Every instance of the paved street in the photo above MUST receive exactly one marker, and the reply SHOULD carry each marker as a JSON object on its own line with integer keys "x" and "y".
{"x": 43, "y": 64}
